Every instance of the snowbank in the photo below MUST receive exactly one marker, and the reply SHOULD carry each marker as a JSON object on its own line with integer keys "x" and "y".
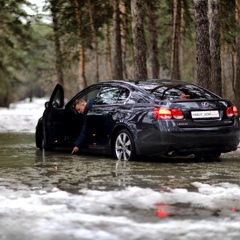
{"x": 21, "y": 116}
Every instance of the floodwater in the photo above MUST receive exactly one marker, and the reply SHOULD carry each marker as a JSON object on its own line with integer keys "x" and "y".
{"x": 56, "y": 195}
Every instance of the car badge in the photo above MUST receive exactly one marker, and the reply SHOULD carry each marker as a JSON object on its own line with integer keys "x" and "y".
{"x": 204, "y": 104}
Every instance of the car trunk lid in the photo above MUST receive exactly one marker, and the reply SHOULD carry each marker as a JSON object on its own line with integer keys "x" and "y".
{"x": 204, "y": 113}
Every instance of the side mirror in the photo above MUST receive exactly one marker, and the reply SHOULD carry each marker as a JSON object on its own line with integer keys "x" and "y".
{"x": 46, "y": 104}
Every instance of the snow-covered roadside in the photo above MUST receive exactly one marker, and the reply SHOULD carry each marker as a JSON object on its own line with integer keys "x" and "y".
{"x": 105, "y": 215}
{"x": 21, "y": 116}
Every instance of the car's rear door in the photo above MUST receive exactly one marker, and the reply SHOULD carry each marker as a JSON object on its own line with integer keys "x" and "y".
{"x": 104, "y": 115}
{"x": 52, "y": 117}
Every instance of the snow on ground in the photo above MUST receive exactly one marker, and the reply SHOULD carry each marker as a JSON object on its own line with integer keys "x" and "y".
{"x": 106, "y": 215}
{"x": 22, "y": 116}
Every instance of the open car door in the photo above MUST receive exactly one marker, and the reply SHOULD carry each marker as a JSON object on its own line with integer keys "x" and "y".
{"x": 52, "y": 118}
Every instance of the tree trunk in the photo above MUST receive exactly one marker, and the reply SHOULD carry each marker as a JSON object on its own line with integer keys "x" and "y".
{"x": 227, "y": 73}
{"x": 153, "y": 39}
{"x": 176, "y": 40}
{"x": 108, "y": 52}
{"x": 237, "y": 61}
{"x": 237, "y": 74}
{"x": 202, "y": 44}
{"x": 139, "y": 43}
{"x": 54, "y": 11}
{"x": 95, "y": 40}
{"x": 123, "y": 25}
{"x": 83, "y": 81}
{"x": 215, "y": 50}
{"x": 117, "y": 66}
{"x": 181, "y": 43}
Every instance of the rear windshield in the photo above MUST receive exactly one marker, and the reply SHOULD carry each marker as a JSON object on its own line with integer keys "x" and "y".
{"x": 178, "y": 91}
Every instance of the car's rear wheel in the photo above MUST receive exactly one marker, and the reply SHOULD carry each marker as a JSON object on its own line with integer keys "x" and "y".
{"x": 124, "y": 148}
{"x": 207, "y": 155}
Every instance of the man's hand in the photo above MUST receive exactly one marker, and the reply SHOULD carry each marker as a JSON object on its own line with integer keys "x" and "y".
{"x": 75, "y": 149}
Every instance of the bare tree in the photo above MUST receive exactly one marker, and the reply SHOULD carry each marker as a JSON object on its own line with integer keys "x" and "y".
{"x": 108, "y": 51}
{"x": 215, "y": 50}
{"x": 139, "y": 43}
{"x": 153, "y": 35}
{"x": 202, "y": 44}
{"x": 176, "y": 40}
{"x": 94, "y": 37}
{"x": 237, "y": 60}
{"x": 117, "y": 65}
{"x": 83, "y": 81}
{"x": 123, "y": 25}
{"x": 59, "y": 62}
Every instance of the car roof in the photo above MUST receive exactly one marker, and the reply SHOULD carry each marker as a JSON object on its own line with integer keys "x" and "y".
{"x": 153, "y": 85}
{"x": 148, "y": 83}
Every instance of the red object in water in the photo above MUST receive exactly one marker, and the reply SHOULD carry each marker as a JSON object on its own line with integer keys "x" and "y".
{"x": 161, "y": 212}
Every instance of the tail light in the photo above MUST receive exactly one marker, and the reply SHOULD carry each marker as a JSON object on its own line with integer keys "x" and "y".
{"x": 168, "y": 113}
{"x": 232, "y": 111}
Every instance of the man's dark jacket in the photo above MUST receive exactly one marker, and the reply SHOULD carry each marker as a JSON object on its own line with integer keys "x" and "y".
{"x": 83, "y": 132}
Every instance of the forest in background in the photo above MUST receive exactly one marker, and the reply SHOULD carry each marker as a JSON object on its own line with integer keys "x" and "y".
{"x": 87, "y": 41}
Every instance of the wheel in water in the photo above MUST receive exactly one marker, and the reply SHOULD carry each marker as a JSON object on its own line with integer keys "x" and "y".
{"x": 124, "y": 145}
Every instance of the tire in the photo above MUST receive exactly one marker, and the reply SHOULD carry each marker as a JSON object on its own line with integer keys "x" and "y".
{"x": 124, "y": 148}
{"x": 38, "y": 135}
{"x": 210, "y": 156}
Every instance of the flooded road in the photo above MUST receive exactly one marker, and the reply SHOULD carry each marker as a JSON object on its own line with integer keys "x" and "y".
{"x": 55, "y": 195}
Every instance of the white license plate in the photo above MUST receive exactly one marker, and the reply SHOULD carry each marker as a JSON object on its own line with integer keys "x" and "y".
{"x": 205, "y": 114}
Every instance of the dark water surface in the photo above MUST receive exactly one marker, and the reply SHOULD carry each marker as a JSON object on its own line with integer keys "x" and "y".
{"x": 48, "y": 195}
{"x": 20, "y": 160}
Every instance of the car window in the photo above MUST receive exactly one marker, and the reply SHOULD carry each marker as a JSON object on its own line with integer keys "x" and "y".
{"x": 57, "y": 97}
{"x": 108, "y": 95}
{"x": 91, "y": 95}
{"x": 123, "y": 96}
{"x": 180, "y": 91}
{"x": 86, "y": 95}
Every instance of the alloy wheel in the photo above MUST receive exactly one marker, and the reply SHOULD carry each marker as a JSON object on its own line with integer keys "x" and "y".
{"x": 123, "y": 146}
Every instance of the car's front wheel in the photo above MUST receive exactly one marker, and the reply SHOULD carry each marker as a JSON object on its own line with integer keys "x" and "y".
{"x": 124, "y": 148}
{"x": 38, "y": 134}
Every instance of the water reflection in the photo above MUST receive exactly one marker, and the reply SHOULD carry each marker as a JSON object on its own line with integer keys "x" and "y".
{"x": 78, "y": 171}
{"x": 21, "y": 162}
{"x": 162, "y": 210}
{"x": 122, "y": 171}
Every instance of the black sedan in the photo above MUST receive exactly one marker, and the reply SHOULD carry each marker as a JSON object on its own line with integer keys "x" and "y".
{"x": 142, "y": 118}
